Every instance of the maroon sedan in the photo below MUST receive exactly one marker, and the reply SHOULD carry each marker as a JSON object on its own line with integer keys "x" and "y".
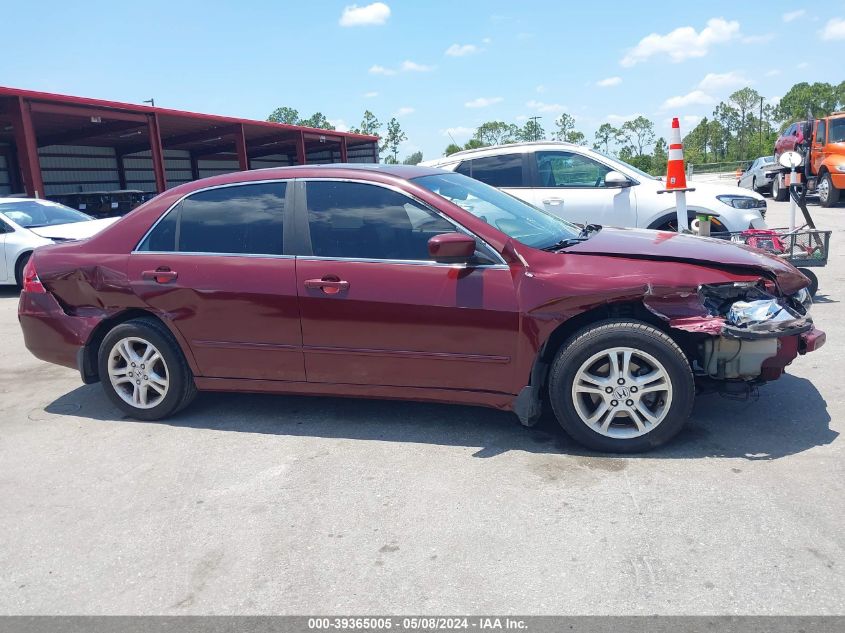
{"x": 411, "y": 283}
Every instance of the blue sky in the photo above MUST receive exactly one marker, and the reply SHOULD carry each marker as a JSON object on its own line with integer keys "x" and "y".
{"x": 439, "y": 67}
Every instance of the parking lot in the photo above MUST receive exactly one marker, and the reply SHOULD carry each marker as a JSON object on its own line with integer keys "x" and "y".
{"x": 267, "y": 504}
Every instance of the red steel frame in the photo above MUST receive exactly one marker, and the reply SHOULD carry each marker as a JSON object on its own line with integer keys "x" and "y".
{"x": 122, "y": 116}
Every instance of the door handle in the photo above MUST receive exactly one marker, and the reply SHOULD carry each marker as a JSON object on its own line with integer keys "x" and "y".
{"x": 553, "y": 201}
{"x": 161, "y": 275}
{"x": 328, "y": 286}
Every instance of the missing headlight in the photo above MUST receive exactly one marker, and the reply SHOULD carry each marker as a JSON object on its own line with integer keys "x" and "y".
{"x": 753, "y": 305}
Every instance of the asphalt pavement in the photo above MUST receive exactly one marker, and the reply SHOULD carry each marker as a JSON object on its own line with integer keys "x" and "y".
{"x": 260, "y": 504}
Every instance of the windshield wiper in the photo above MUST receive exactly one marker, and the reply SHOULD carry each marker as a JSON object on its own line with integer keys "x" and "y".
{"x": 568, "y": 241}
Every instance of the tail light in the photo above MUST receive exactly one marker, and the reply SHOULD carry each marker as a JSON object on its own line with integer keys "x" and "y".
{"x": 31, "y": 282}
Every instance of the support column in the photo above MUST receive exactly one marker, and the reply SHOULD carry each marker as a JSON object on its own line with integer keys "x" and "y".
{"x": 15, "y": 183}
{"x": 121, "y": 169}
{"x": 27, "y": 145}
{"x": 344, "y": 153}
{"x": 195, "y": 167}
{"x": 300, "y": 149}
{"x": 157, "y": 153}
{"x": 240, "y": 148}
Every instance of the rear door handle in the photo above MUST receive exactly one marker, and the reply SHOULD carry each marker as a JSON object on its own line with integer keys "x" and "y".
{"x": 161, "y": 275}
{"x": 328, "y": 286}
{"x": 553, "y": 201}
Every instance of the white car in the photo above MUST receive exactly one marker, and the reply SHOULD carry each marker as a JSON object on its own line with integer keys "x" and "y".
{"x": 759, "y": 176}
{"x": 27, "y": 223}
{"x": 585, "y": 186}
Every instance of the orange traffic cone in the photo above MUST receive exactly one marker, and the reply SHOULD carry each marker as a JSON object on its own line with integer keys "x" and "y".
{"x": 676, "y": 177}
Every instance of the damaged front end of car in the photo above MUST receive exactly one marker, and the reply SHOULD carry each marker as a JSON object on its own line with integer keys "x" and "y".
{"x": 739, "y": 333}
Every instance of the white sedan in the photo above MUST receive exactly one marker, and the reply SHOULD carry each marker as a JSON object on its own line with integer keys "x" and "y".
{"x": 759, "y": 176}
{"x": 27, "y": 223}
{"x": 582, "y": 185}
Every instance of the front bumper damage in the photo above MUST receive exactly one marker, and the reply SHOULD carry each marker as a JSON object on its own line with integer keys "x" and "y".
{"x": 740, "y": 331}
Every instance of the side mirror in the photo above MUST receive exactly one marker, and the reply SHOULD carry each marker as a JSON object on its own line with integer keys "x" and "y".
{"x": 617, "y": 180}
{"x": 451, "y": 248}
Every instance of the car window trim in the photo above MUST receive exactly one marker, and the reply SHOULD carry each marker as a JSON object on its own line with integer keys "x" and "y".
{"x": 173, "y": 206}
{"x": 302, "y": 210}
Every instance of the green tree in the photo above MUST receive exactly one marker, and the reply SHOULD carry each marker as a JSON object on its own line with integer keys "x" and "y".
{"x": 566, "y": 130}
{"x": 745, "y": 100}
{"x": 393, "y": 139}
{"x": 284, "y": 115}
{"x": 497, "y": 133}
{"x": 369, "y": 125}
{"x": 317, "y": 120}
{"x": 532, "y": 131}
{"x": 659, "y": 157}
{"x": 638, "y": 134}
{"x": 413, "y": 159}
{"x": 451, "y": 148}
{"x": 604, "y": 137}
{"x": 819, "y": 99}
{"x": 474, "y": 143}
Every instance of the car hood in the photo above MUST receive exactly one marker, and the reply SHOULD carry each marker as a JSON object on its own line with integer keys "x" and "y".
{"x": 73, "y": 230}
{"x": 704, "y": 251}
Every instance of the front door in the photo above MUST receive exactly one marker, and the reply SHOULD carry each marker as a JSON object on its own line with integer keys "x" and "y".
{"x": 376, "y": 310}
{"x": 571, "y": 186}
{"x": 215, "y": 266}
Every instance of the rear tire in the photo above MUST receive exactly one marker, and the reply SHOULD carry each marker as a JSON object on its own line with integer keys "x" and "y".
{"x": 828, "y": 193}
{"x": 779, "y": 193}
{"x": 649, "y": 378}
{"x": 143, "y": 370}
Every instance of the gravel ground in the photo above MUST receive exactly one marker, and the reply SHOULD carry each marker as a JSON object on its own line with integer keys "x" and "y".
{"x": 295, "y": 505}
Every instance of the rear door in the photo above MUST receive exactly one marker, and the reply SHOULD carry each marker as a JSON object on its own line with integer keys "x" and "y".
{"x": 216, "y": 266}
{"x": 376, "y": 310}
{"x": 571, "y": 185}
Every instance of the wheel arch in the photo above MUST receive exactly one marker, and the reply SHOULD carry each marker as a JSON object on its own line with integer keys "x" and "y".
{"x": 87, "y": 360}
{"x": 26, "y": 252}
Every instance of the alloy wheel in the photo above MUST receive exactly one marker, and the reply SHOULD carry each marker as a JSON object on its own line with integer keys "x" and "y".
{"x": 622, "y": 392}
{"x": 138, "y": 372}
{"x": 824, "y": 189}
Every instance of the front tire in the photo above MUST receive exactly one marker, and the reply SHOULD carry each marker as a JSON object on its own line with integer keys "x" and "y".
{"x": 143, "y": 371}
{"x": 828, "y": 193}
{"x": 621, "y": 387}
{"x": 19, "y": 266}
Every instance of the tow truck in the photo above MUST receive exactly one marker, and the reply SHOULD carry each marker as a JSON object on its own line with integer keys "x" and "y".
{"x": 821, "y": 142}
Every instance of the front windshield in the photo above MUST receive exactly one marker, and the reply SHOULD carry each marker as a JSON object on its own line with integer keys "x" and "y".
{"x": 32, "y": 214}
{"x": 836, "y": 132}
{"x": 511, "y": 216}
{"x": 622, "y": 163}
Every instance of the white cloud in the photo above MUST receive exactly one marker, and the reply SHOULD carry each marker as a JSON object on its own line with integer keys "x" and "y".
{"x": 802, "y": 65}
{"x": 483, "y": 102}
{"x": 458, "y": 132}
{"x": 340, "y": 125}
{"x": 486, "y": 40}
{"x": 404, "y": 111}
{"x": 723, "y": 81}
{"x": 682, "y": 43}
{"x": 696, "y": 97}
{"x": 410, "y": 66}
{"x": 774, "y": 72}
{"x": 774, "y": 100}
{"x": 381, "y": 70}
{"x": 610, "y": 81}
{"x": 372, "y": 14}
{"x": 541, "y": 89}
{"x": 789, "y": 16}
{"x": 545, "y": 107}
{"x": 370, "y": 95}
{"x": 459, "y": 50}
{"x": 834, "y": 29}
{"x": 521, "y": 118}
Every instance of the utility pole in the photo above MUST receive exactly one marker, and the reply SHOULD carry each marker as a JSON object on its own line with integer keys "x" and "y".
{"x": 151, "y": 101}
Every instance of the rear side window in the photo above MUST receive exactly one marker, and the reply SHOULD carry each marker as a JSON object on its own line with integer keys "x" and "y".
{"x": 362, "y": 221}
{"x": 496, "y": 171}
{"x": 242, "y": 219}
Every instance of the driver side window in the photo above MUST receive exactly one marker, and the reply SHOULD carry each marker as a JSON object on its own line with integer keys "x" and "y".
{"x": 568, "y": 169}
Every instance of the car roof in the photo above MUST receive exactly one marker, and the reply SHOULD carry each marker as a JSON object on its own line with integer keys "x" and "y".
{"x": 497, "y": 149}
{"x": 401, "y": 171}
